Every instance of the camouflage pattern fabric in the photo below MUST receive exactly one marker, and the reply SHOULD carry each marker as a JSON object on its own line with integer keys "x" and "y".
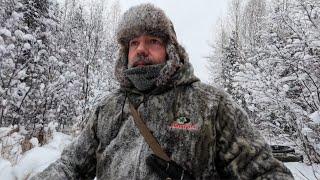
{"x": 217, "y": 141}
{"x": 199, "y": 126}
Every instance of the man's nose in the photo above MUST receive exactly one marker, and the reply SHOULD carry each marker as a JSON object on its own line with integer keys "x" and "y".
{"x": 142, "y": 49}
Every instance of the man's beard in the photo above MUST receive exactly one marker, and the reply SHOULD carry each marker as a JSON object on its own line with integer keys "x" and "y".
{"x": 140, "y": 60}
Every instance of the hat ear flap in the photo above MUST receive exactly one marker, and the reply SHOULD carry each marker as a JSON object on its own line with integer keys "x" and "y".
{"x": 176, "y": 52}
{"x": 173, "y": 63}
{"x": 121, "y": 66}
{"x": 172, "y": 53}
{"x": 172, "y": 28}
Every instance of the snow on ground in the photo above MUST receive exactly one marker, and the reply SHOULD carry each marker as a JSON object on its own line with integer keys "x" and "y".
{"x": 301, "y": 171}
{"x": 34, "y": 160}
{"x": 38, "y": 158}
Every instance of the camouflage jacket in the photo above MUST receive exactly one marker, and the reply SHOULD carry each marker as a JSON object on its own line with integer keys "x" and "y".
{"x": 199, "y": 127}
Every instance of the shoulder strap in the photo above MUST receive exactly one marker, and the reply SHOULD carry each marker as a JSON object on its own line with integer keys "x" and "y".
{"x": 148, "y": 137}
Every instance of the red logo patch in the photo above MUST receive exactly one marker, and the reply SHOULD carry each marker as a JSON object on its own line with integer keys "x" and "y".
{"x": 183, "y": 123}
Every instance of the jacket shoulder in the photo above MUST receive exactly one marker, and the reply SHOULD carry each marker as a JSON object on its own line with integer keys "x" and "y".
{"x": 208, "y": 90}
{"x": 110, "y": 99}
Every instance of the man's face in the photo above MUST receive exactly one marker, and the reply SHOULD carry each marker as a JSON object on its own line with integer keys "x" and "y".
{"x": 146, "y": 50}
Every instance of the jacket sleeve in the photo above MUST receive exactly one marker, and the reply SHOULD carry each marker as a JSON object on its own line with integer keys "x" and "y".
{"x": 78, "y": 160}
{"x": 241, "y": 151}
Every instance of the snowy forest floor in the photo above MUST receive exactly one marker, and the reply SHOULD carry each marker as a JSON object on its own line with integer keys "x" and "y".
{"x": 25, "y": 165}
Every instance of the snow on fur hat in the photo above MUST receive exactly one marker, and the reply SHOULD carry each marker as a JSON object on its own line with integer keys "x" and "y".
{"x": 148, "y": 19}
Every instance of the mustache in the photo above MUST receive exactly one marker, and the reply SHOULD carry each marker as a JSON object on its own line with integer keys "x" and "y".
{"x": 141, "y": 60}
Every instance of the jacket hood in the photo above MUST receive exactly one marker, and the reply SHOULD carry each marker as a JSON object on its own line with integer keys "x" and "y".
{"x": 150, "y": 20}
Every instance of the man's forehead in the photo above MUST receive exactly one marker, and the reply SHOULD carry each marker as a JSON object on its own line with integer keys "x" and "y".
{"x": 147, "y": 36}
{"x": 160, "y": 36}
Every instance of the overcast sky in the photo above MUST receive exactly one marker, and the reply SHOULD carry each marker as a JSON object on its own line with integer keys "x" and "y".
{"x": 194, "y": 23}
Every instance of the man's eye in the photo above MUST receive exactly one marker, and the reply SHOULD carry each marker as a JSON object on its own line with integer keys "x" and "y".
{"x": 155, "y": 41}
{"x": 133, "y": 43}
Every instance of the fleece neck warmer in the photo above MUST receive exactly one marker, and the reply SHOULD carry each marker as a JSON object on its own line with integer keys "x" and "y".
{"x": 144, "y": 78}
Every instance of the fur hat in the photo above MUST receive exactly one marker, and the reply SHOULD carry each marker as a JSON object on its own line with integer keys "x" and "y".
{"x": 150, "y": 20}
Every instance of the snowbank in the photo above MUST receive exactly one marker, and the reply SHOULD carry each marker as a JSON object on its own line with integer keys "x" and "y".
{"x": 38, "y": 158}
{"x": 302, "y": 171}
{"x": 34, "y": 160}
{"x": 6, "y": 170}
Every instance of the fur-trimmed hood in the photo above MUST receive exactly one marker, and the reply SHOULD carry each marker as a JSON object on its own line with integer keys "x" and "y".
{"x": 148, "y": 19}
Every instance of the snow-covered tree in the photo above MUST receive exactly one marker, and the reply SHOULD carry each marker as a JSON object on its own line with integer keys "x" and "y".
{"x": 56, "y": 60}
{"x": 279, "y": 73}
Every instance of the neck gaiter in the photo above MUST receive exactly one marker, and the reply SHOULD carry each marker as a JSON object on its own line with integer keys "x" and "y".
{"x": 144, "y": 78}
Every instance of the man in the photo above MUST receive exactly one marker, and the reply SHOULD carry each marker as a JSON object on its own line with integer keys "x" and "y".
{"x": 202, "y": 131}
